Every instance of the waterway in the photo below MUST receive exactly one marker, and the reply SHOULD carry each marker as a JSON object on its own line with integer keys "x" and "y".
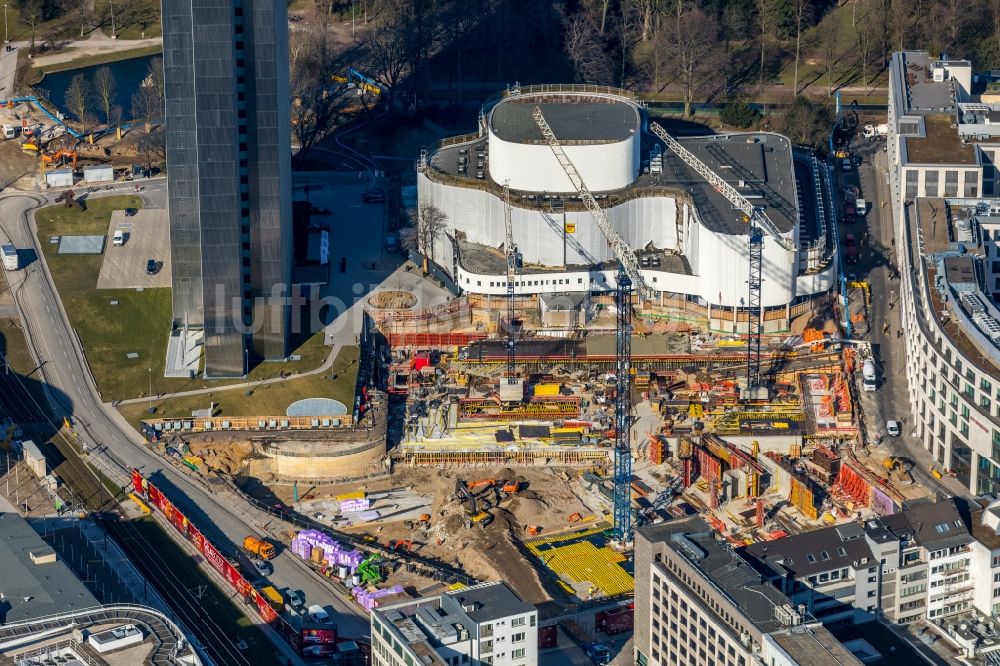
{"x": 129, "y": 75}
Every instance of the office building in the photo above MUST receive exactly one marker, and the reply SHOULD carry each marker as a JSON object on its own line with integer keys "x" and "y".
{"x": 697, "y": 603}
{"x": 483, "y": 624}
{"x": 228, "y": 135}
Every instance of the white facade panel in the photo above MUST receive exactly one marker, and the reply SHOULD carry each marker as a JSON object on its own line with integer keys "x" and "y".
{"x": 534, "y": 167}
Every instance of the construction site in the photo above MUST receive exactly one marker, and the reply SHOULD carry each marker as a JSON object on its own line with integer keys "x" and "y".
{"x": 531, "y": 446}
{"x": 41, "y": 150}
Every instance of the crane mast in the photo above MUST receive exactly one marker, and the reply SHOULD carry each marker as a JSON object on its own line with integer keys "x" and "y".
{"x": 628, "y": 276}
{"x": 759, "y": 224}
{"x": 513, "y": 268}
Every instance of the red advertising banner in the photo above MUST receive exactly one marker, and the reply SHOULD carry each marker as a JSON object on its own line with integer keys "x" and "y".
{"x": 153, "y": 496}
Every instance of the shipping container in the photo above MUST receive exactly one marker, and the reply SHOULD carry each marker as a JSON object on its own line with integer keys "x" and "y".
{"x": 614, "y": 622}
{"x": 548, "y": 637}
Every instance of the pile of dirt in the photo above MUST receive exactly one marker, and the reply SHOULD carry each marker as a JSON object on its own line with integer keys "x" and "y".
{"x": 392, "y": 299}
{"x": 223, "y": 454}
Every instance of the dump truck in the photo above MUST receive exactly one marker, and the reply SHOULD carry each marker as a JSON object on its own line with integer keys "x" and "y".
{"x": 273, "y": 597}
{"x": 258, "y": 547}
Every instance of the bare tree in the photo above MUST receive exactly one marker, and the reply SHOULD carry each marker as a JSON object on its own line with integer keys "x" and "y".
{"x": 391, "y": 62}
{"x": 115, "y": 115}
{"x": 690, "y": 50}
{"x": 803, "y": 14}
{"x": 431, "y": 221}
{"x": 586, "y": 51}
{"x": 82, "y": 11}
{"x": 32, "y": 12}
{"x": 899, "y": 18}
{"x": 867, "y": 34}
{"x": 78, "y": 96}
{"x": 646, "y": 10}
{"x": 316, "y": 100}
{"x": 767, "y": 19}
{"x": 105, "y": 87}
{"x": 830, "y": 44}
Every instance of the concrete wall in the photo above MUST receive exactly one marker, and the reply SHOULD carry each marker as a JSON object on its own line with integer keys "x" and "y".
{"x": 316, "y": 460}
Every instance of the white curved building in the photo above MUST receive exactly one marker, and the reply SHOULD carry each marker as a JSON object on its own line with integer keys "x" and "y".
{"x": 691, "y": 242}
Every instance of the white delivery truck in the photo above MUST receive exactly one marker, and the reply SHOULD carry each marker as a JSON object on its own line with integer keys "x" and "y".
{"x": 8, "y": 131}
{"x": 10, "y": 261}
{"x": 870, "y": 375}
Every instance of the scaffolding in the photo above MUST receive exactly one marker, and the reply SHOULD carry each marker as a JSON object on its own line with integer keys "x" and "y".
{"x": 545, "y": 408}
{"x": 525, "y": 457}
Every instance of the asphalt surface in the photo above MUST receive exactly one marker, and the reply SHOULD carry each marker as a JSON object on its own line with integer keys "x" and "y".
{"x": 875, "y": 265}
{"x": 71, "y": 390}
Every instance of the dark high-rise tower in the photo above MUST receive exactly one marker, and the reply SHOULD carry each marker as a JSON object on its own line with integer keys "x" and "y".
{"x": 229, "y": 175}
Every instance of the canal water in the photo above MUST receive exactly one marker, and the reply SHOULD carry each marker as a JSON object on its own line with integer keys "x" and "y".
{"x": 129, "y": 75}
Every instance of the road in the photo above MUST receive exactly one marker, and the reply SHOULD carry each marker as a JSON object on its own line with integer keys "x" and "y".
{"x": 876, "y": 264}
{"x": 73, "y": 393}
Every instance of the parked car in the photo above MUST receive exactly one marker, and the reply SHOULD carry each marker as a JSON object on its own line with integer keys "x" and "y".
{"x": 119, "y": 238}
{"x": 850, "y": 249}
{"x": 373, "y": 195}
{"x": 599, "y": 653}
{"x": 263, "y": 568}
{"x": 893, "y": 428}
{"x": 152, "y": 267}
{"x": 295, "y": 598}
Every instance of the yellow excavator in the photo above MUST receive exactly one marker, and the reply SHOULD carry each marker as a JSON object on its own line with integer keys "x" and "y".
{"x": 898, "y": 470}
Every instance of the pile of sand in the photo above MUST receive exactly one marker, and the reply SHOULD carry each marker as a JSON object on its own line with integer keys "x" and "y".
{"x": 222, "y": 454}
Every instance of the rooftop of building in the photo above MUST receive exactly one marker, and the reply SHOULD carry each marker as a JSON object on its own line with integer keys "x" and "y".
{"x": 937, "y": 234}
{"x": 941, "y": 143}
{"x": 812, "y": 552}
{"x": 574, "y": 119}
{"x": 814, "y": 646}
{"x": 758, "y": 164}
{"x": 487, "y": 602}
{"x": 933, "y": 525}
{"x": 33, "y": 590}
{"x": 695, "y": 541}
{"x": 926, "y": 94}
{"x": 983, "y": 533}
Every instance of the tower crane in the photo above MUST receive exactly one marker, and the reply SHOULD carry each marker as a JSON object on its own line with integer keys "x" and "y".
{"x": 628, "y": 276}
{"x": 760, "y": 224}
{"x": 514, "y": 266}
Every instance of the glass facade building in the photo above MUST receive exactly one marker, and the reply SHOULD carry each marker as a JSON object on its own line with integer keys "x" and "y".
{"x": 229, "y": 160}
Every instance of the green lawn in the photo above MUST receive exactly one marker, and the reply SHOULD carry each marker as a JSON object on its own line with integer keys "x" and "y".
{"x": 133, "y": 25}
{"x": 266, "y": 400}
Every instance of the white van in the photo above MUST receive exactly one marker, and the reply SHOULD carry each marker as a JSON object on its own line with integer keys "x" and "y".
{"x": 118, "y": 239}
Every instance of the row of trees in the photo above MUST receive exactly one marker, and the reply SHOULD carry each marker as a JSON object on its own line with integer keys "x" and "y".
{"x": 710, "y": 46}
{"x": 80, "y": 14}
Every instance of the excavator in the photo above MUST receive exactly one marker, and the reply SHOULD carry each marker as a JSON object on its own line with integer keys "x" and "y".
{"x": 58, "y": 156}
{"x": 900, "y": 467}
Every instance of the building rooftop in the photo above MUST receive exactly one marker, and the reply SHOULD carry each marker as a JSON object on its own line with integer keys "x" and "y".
{"x": 941, "y": 144}
{"x": 34, "y": 590}
{"x": 812, "y": 552}
{"x": 933, "y": 525}
{"x": 487, "y": 602}
{"x": 694, "y": 540}
{"x": 573, "y": 120}
{"x": 814, "y": 646}
{"x": 925, "y": 94}
{"x": 758, "y": 165}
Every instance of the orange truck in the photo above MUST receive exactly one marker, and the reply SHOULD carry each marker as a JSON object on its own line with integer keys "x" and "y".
{"x": 258, "y": 547}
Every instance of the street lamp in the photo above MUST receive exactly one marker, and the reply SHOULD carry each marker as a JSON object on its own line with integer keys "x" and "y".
{"x": 150, "y": 410}
{"x": 112, "y": 5}
{"x": 5, "y": 39}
